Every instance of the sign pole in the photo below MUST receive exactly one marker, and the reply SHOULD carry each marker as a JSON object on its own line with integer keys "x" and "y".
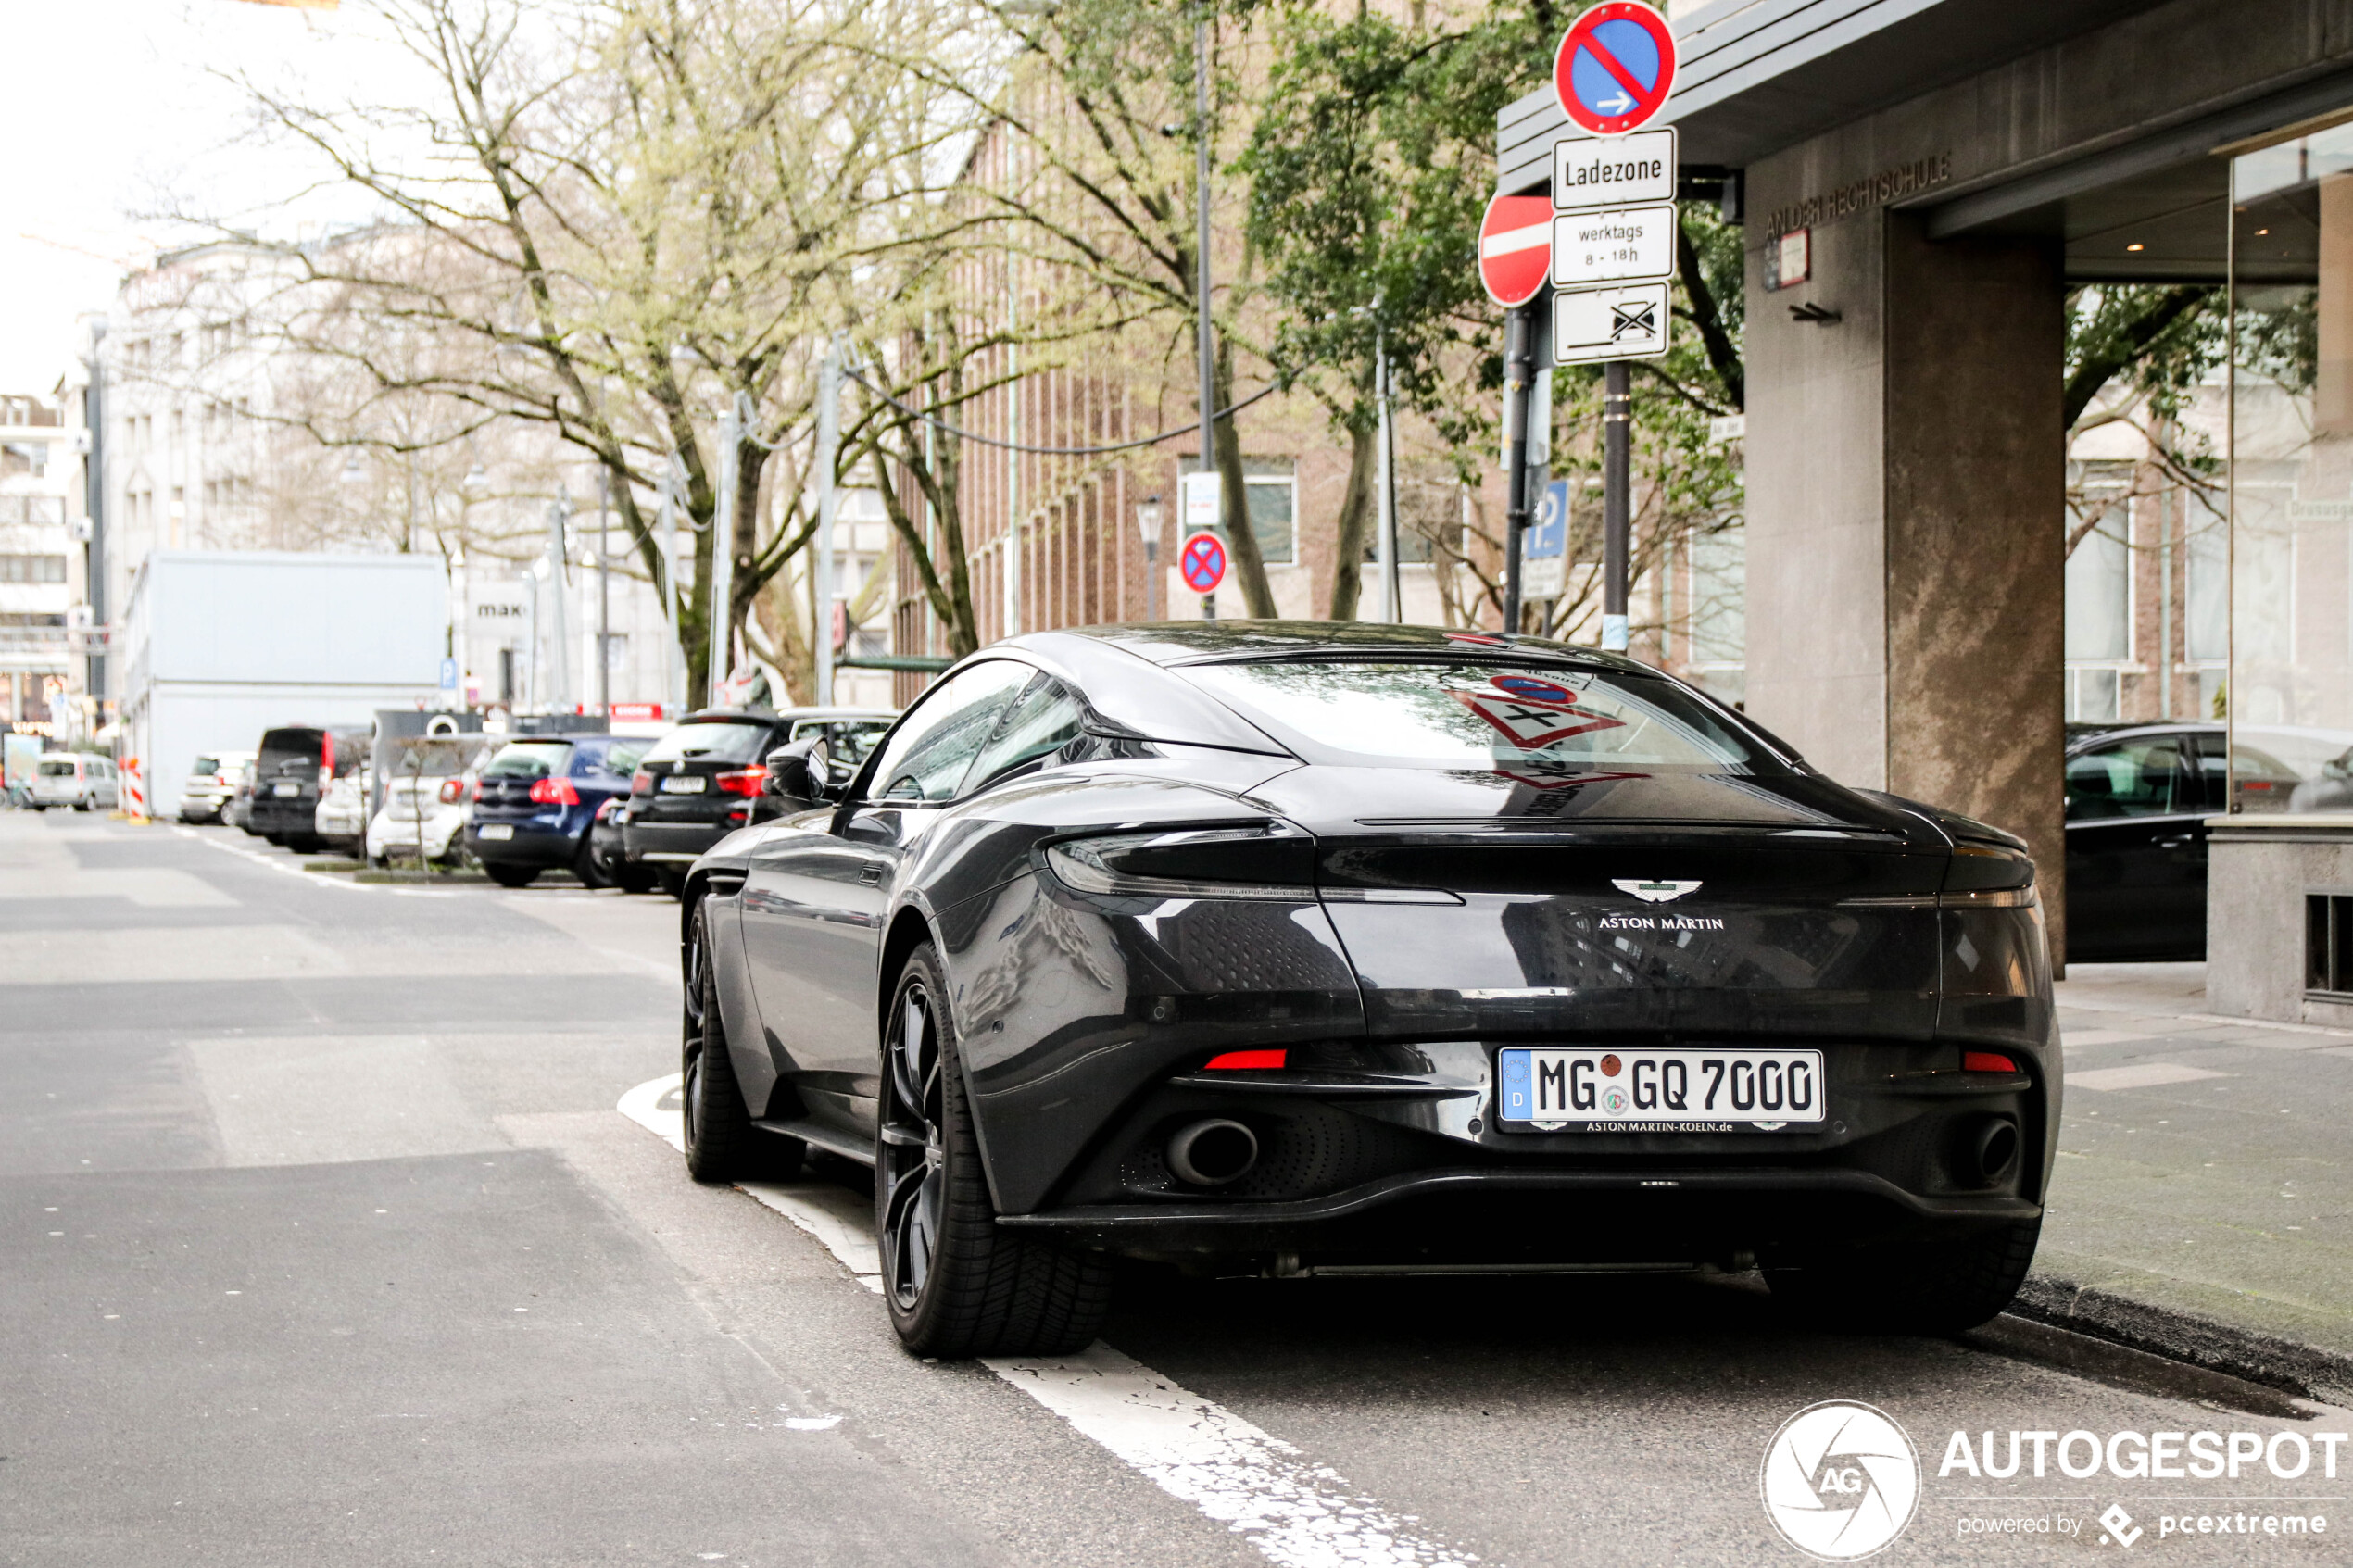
{"x": 1618, "y": 429}
{"x": 1518, "y": 374}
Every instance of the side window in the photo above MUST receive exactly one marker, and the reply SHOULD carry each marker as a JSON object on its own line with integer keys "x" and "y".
{"x": 2140, "y": 778}
{"x": 935, "y": 748}
{"x": 1046, "y": 719}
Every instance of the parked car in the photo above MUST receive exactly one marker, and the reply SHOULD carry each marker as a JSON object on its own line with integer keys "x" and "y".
{"x": 211, "y": 782}
{"x": 609, "y": 850}
{"x": 537, "y": 799}
{"x": 79, "y": 779}
{"x": 237, "y": 812}
{"x": 702, "y": 781}
{"x": 427, "y": 790}
{"x": 342, "y": 816}
{"x": 1286, "y": 945}
{"x": 294, "y": 766}
{"x": 2138, "y": 796}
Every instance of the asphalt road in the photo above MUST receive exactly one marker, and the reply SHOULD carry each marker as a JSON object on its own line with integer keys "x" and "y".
{"x": 326, "y": 1240}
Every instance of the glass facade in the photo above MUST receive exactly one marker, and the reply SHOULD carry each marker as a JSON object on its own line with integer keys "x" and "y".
{"x": 2289, "y": 561}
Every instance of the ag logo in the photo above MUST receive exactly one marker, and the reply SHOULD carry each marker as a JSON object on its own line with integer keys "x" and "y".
{"x": 1655, "y": 892}
{"x": 1841, "y": 1480}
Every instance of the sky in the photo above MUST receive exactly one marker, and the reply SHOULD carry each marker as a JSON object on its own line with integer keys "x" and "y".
{"x": 117, "y": 112}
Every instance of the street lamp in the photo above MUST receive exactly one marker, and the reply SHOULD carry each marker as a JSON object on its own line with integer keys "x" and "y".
{"x": 1148, "y": 523}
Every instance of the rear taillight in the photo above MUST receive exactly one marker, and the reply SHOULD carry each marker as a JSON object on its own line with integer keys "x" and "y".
{"x": 641, "y": 781}
{"x": 1273, "y": 862}
{"x": 605, "y": 813}
{"x": 746, "y": 782}
{"x": 1247, "y": 1062}
{"x": 452, "y": 791}
{"x": 326, "y": 774}
{"x": 473, "y": 791}
{"x": 553, "y": 792}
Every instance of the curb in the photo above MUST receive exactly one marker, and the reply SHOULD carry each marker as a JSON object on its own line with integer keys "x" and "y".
{"x": 2305, "y": 1371}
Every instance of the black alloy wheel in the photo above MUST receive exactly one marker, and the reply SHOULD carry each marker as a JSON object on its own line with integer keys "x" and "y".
{"x": 956, "y": 1284}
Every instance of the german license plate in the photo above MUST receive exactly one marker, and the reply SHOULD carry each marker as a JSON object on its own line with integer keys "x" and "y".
{"x": 1657, "y": 1091}
{"x": 285, "y": 791}
{"x": 499, "y": 830}
{"x": 690, "y": 784}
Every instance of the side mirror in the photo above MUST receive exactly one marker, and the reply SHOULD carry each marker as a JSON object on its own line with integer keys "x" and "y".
{"x": 800, "y": 770}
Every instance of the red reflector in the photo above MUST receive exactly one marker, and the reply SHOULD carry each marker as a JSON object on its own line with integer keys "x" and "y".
{"x": 744, "y": 783}
{"x": 1239, "y": 1061}
{"x": 1986, "y": 1062}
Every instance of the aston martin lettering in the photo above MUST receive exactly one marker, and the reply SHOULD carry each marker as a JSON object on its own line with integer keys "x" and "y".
{"x": 1660, "y": 922}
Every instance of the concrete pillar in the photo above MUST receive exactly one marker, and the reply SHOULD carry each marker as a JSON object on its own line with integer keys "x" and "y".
{"x": 1906, "y": 475}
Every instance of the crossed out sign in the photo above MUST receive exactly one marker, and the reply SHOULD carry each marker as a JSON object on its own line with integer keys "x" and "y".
{"x": 1615, "y": 68}
{"x": 1202, "y": 563}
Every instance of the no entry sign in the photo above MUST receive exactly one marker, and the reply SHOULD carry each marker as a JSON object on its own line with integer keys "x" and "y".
{"x": 1202, "y": 561}
{"x": 1615, "y": 68}
{"x": 1515, "y": 249}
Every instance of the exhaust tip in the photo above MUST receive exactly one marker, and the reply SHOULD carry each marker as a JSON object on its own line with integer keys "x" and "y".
{"x": 1993, "y": 1149}
{"x": 1213, "y": 1153}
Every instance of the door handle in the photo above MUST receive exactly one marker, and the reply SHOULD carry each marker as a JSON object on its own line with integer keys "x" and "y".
{"x": 870, "y": 875}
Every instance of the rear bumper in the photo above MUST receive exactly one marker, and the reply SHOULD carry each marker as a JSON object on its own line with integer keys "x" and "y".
{"x": 678, "y": 842}
{"x": 1475, "y": 1218}
{"x": 535, "y": 844}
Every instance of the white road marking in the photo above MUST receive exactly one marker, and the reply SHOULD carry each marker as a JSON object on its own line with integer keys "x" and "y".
{"x": 2141, "y": 1076}
{"x": 1297, "y": 1513}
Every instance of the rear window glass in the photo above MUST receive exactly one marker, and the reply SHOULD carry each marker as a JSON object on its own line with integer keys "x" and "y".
{"x": 720, "y": 740}
{"x": 593, "y": 759}
{"x": 62, "y": 768}
{"x": 208, "y": 764}
{"x": 281, "y": 746}
{"x": 529, "y": 759}
{"x": 1476, "y": 715}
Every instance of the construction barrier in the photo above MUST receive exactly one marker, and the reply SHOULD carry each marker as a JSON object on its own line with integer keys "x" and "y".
{"x": 133, "y": 802}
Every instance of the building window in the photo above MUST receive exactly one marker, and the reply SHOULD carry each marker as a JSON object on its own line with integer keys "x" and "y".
{"x": 32, "y": 569}
{"x": 24, "y": 458}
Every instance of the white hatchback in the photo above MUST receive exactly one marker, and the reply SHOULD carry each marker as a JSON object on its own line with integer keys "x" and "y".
{"x": 79, "y": 779}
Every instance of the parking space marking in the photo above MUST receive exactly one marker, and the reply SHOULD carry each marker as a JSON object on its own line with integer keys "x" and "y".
{"x": 2140, "y": 1075}
{"x": 1296, "y": 1512}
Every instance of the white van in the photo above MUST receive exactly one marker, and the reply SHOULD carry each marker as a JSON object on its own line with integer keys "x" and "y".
{"x": 79, "y": 779}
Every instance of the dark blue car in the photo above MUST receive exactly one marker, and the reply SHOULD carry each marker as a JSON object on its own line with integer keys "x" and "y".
{"x": 537, "y": 799}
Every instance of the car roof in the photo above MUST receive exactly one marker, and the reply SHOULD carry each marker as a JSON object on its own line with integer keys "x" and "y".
{"x": 782, "y": 715}
{"x": 1185, "y": 642}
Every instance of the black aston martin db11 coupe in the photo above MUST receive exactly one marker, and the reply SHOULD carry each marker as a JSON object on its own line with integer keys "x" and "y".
{"x": 1290, "y": 947}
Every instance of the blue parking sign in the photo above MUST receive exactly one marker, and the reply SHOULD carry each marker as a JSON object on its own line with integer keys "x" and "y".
{"x": 448, "y": 674}
{"x": 1548, "y": 535}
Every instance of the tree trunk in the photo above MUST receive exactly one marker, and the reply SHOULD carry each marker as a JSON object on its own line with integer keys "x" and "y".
{"x": 1241, "y": 540}
{"x": 1356, "y": 512}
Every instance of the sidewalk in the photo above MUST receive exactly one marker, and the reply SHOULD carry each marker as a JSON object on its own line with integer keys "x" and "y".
{"x": 2202, "y": 1170}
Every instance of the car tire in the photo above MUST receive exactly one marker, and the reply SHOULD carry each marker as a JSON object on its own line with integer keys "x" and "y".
{"x": 509, "y": 876}
{"x": 955, "y": 1282}
{"x": 722, "y": 1144}
{"x": 1944, "y": 1283}
{"x": 584, "y": 866}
